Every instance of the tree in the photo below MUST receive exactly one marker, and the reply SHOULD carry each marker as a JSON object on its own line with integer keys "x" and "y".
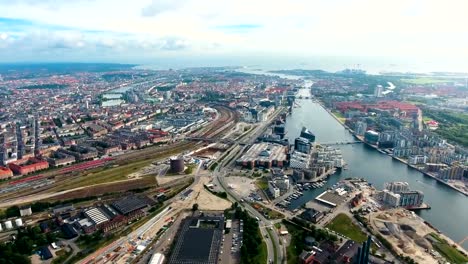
{"x": 194, "y": 207}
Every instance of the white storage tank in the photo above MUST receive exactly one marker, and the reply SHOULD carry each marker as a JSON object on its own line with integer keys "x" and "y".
{"x": 19, "y": 222}
{"x": 8, "y": 225}
{"x": 1, "y": 229}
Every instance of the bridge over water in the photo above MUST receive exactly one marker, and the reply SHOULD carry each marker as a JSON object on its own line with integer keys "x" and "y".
{"x": 340, "y": 143}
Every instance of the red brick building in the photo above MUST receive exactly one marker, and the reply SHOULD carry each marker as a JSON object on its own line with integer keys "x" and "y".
{"x": 5, "y": 173}
{"x": 26, "y": 166}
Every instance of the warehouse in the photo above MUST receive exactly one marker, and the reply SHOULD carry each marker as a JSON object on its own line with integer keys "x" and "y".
{"x": 199, "y": 241}
{"x": 96, "y": 215}
{"x": 131, "y": 203}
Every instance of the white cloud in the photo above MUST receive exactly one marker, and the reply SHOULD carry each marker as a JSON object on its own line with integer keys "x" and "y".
{"x": 285, "y": 27}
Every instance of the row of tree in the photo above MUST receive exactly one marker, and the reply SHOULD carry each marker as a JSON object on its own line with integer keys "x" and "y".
{"x": 26, "y": 242}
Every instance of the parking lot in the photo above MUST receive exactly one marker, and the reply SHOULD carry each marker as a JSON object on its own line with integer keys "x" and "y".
{"x": 232, "y": 242}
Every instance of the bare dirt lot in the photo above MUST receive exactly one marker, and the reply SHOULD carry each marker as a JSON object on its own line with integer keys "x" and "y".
{"x": 407, "y": 233}
{"x": 241, "y": 185}
{"x": 210, "y": 202}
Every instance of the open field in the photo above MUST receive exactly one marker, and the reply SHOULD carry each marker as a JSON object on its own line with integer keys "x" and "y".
{"x": 108, "y": 188}
{"x": 211, "y": 202}
{"x": 102, "y": 175}
{"x": 344, "y": 225}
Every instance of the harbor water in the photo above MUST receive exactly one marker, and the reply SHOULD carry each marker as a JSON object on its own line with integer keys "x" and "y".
{"x": 449, "y": 211}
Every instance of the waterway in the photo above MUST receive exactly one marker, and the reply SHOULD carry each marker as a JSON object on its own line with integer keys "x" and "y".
{"x": 449, "y": 211}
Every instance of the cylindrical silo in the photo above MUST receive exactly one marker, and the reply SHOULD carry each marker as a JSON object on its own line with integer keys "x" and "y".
{"x": 177, "y": 164}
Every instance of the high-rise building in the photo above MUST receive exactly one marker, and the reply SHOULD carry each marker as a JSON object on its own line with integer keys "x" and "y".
{"x": 302, "y": 145}
{"x": 411, "y": 199}
{"x": 363, "y": 252}
{"x": 378, "y": 91}
{"x": 397, "y": 187}
{"x": 307, "y": 134}
{"x": 360, "y": 128}
{"x": 371, "y": 137}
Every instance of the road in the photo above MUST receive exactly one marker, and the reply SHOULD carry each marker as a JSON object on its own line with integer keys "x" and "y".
{"x": 271, "y": 238}
{"x": 272, "y": 241}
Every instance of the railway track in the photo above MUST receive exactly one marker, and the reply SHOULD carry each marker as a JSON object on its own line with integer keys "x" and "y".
{"x": 226, "y": 121}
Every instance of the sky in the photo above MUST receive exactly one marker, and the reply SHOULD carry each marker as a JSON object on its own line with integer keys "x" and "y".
{"x": 140, "y": 31}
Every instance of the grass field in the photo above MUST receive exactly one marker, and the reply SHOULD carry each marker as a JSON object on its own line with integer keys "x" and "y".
{"x": 340, "y": 116}
{"x": 343, "y": 224}
{"x": 262, "y": 184}
{"x": 263, "y": 256}
{"x": 425, "y": 80}
{"x": 449, "y": 252}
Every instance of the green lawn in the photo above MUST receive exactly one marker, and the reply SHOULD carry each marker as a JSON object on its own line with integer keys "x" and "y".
{"x": 343, "y": 224}
{"x": 262, "y": 184}
{"x": 449, "y": 252}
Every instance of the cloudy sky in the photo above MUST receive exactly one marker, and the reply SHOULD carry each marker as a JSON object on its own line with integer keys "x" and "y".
{"x": 142, "y": 30}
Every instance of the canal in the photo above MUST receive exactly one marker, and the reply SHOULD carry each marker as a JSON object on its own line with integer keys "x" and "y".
{"x": 449, "y": 211}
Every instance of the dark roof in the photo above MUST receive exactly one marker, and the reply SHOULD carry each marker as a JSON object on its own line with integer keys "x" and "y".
{"x": 44, "y": 226}
{"x": 45, "y": 253}
{"x": 107, "y": 212}
{"x": 349, "y": 250}
{"x": 130, "y": 203}
{"x": 69, "y": 231}
{"x": 199, "y": 241}
{"x": 310, "y": 214}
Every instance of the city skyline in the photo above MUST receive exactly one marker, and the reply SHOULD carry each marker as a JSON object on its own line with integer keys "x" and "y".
{"x": 217, "y": 33}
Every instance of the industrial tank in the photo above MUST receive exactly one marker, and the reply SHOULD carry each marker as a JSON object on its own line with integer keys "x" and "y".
{"x": 177, "y": 164}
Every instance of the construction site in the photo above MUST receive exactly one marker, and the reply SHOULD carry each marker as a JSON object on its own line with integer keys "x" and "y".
{"x": 411, "y": 236}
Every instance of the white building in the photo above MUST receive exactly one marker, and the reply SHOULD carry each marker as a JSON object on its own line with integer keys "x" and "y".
{"x": 282, "y": 182}
{"x": 378, "y": 91}
{"x": 25, "y": 211}
{"x": 390, "y": 198}
{"x": 274, "y": 190}
{"x": 157, "y": 258}
{"x": 397, "y": 187}
{"x": 417, "y": 159}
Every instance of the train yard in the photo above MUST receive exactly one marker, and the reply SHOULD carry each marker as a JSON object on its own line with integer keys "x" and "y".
{"x": 107, "y": 170}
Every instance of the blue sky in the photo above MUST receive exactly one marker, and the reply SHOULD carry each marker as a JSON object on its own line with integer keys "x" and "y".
{"x": 144, "y": 30}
